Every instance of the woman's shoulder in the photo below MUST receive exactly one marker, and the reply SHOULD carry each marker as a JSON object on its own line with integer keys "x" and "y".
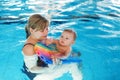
{"x": 28, "y": 49}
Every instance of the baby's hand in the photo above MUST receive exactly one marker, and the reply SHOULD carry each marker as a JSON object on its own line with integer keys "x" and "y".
{"x": 49, "y": 41}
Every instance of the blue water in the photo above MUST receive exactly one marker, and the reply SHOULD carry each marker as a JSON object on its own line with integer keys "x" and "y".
{"x": 95, "y": 21}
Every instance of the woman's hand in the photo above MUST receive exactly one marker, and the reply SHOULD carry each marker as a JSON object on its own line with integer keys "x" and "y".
{"x": 55, "y": 59}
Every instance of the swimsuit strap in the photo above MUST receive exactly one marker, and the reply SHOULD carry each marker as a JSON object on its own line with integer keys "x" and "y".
{"x": 28, "y": 44}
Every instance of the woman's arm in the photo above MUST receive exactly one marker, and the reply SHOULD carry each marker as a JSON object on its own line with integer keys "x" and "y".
{"x": 30, "y": 58}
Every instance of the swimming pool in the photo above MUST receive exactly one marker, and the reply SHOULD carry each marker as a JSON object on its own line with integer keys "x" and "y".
{"x": 96, "y": 23}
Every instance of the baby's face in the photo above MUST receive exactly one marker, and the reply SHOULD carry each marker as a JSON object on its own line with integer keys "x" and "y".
{"x": 66, "y": 39}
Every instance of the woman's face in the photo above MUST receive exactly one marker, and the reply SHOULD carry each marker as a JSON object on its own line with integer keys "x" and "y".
{"x": 45, "y": 32}
{"x": 40, "y": 34}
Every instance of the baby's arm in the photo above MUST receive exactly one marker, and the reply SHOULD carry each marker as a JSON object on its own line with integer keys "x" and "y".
{"x": 57, "y": 56}
{"x": 64, "y": 55}
{"x": 50, "y": 41}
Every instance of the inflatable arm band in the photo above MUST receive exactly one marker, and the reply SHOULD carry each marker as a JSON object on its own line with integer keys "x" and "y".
{"x": 44, "y": 52}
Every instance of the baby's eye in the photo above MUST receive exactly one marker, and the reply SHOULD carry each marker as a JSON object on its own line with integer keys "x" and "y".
{"x": 67, "y": 38}
{"x": 61, "y": 36}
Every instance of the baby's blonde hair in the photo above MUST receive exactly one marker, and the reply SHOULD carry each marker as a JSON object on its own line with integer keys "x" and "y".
{"x": 37, "y": 22}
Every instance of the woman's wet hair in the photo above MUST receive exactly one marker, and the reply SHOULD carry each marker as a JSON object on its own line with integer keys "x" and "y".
{"x": 36, "y": 21}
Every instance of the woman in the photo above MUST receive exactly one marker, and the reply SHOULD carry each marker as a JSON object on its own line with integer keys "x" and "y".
{"x": 37, "y": 30}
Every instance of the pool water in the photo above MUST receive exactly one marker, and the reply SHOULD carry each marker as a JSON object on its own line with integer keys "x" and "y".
{"x": 95, "y": 21}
